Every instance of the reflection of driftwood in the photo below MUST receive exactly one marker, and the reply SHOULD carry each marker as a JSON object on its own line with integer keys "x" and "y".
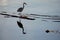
{"x": 53, "y": 18}
{"x": 41, "y": 15}
{"x": 54, "y": 31}
{"x": 21, "y": 26}
{"x": 45, "y": 20}
{"x": 45, "y": 15}
{"x": 56, "y": 21}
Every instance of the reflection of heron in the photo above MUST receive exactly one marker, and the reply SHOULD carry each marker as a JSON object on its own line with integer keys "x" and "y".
{"x": 21, "y": 8}
{"x": 21, "y": 26}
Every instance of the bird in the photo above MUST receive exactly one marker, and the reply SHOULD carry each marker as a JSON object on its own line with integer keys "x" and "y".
{"x": 21, "y": 8}
{"x": 47, "y": 31}
{"x": 21, "y": 26}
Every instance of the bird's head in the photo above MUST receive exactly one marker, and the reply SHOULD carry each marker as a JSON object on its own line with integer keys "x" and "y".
{"x": 25, "y": 3}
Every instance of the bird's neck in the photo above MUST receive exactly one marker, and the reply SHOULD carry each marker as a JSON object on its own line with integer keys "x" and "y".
{"x": 23, "y": 5}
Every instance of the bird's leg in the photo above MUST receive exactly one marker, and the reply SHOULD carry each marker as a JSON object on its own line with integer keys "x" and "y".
{"x": 23, "y": 31}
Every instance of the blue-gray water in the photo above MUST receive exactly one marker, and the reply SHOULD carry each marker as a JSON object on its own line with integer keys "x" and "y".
{"x": 35, "y": 30}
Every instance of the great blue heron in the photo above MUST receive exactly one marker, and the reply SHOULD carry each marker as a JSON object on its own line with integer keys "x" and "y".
{"x": 21, "y": 8}
{"x": 21, "y": 26}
